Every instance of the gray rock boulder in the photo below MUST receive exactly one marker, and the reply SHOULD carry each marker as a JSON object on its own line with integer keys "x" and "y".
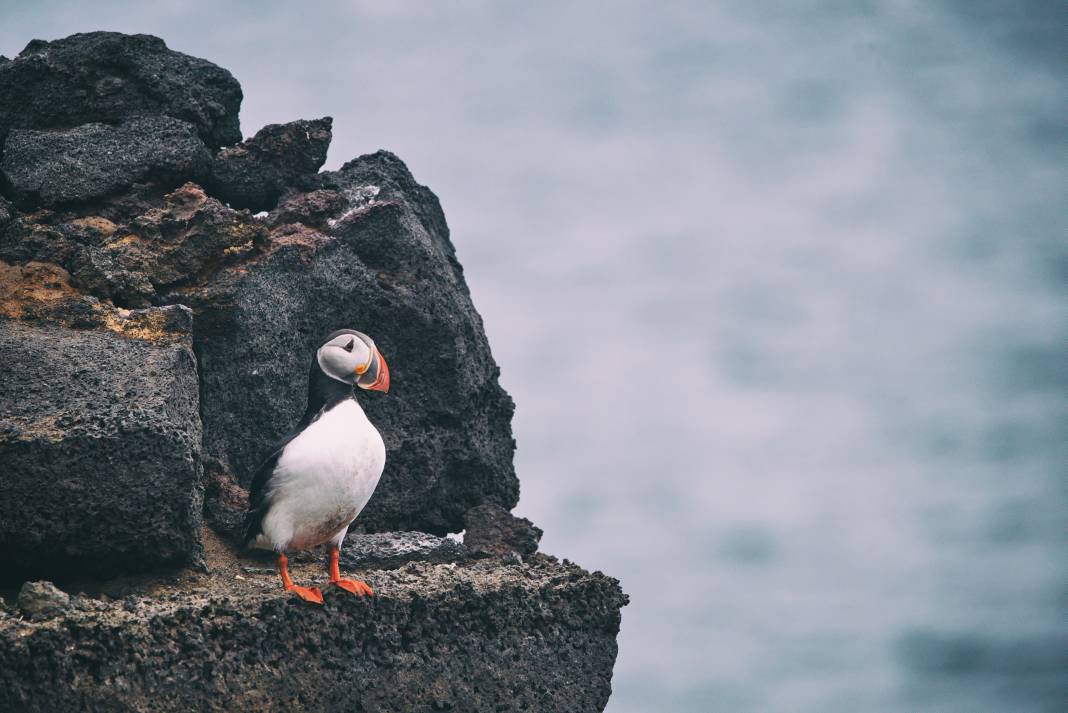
{"x": 99, "y": 432}
{"x": 108, "y": 77}
{"x": 390, "y": 550}
{"x": 92, "y": 161}
{"x": 255, "y": 173}
{"x": 490, "y": 529}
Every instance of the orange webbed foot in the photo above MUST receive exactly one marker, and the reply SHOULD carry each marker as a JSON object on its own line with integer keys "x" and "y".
{"x": 355, "y": 586}
{"x": 308, "y": 594}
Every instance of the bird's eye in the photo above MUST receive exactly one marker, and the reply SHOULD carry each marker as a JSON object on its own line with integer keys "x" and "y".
{"x": 348, "y": 347}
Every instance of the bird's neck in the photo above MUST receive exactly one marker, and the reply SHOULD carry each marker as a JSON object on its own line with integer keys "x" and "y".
{"x": 324, "y": 393}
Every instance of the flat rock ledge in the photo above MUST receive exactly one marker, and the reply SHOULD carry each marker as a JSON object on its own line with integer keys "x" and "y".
{"x": 477, "y": 636}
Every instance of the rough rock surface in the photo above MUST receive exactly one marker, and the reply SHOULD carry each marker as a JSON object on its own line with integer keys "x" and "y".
{"x": 389, "y": 550}
{"x": 225, "y": 502}
{"x": 99, "y": 433}
{"x": 477, "y": 637}
{"x": 46, "y": 168}
{"x": 143, "y": 251}
{"x": 490, "y": 529}
{"x": 108, "y": 77}
{"x": 377, "y": 259}
{"x": 42, "y": 600}
{"x": 255, "y": 173}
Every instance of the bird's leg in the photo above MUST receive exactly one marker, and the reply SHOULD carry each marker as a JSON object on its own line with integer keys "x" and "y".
{"x": 349, "y": 585}
{"x": 308, "y": 594}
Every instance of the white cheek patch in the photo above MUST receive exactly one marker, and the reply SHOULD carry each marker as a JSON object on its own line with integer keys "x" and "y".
{"x": 332, "y": 362}
{"x": 338, "y": 363}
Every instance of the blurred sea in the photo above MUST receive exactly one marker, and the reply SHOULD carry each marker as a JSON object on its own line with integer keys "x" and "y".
{"x": 778, "y": 292}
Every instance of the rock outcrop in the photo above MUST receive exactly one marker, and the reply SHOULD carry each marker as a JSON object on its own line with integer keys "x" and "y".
{"x": 255, "y": 173}
{"x": 108, "y": 77}
{"x": 490, "y": 529}
{"x": 155, "y": 337}
{"x": 483, "y": 636}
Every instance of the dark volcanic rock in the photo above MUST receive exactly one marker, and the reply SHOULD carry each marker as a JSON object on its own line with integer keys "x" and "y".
{"x": 255, "y": 173}
{"x": 473, "y": 638}
{"x": 382, "y": 264}
{"x": 493, "y": 530}
{"x": 96, "y": 160}
{"x": 42, "y": 600}
{"x": 389, "y": 550}
{"x": 99, "y": 437}
{"x": 108, "y": 77}
{"x": 176, "y": 244}
{"x": 225, "y": 502}
{"x": 314, "y": 208}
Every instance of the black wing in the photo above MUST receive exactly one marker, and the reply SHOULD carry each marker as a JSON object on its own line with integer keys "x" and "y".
{"x": 257, "y": 495}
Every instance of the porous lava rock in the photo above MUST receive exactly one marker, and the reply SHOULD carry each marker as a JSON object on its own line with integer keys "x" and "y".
{"x": 42, "y": 600}
{"x": 389, "y": 550}
{"x": 482, "y": 636}
{"x": 99, "y": 432}
{"x": 108, "y": 77}
{"x": 91, "y": 161}
{"x": 255, "y": 173}
{"x": 492, "y": 530}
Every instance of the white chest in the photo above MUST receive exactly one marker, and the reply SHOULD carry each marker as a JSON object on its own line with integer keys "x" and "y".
{"x": 324, "y": 478}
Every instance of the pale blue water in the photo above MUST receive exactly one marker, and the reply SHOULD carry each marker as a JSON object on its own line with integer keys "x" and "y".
{"x": 777, "y": 292}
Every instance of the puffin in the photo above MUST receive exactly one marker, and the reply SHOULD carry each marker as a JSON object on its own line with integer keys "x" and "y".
{"x": 313, "y": 484}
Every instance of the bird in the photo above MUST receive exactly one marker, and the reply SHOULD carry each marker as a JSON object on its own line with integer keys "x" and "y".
{"x": 314, "y": 483}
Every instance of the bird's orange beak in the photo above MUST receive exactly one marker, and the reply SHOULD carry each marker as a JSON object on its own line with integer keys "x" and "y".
{"x": 381, "y": 382}
{"x": 375, "y": 375}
